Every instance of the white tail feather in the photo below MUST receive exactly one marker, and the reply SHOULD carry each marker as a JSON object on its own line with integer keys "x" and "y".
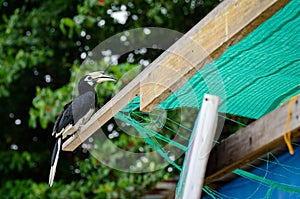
{"x": 53, "y": 166}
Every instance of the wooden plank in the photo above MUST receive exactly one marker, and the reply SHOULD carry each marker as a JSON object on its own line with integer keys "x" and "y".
{"x": 192, "y": 176}
{"x": 162, "y": 190}
{"x": 231, "y": 21}
{"x": 252, "y": 142}
{"x": 121, "y": 99}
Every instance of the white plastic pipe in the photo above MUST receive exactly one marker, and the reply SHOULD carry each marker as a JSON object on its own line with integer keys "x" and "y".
{"x": 193, "y": 173}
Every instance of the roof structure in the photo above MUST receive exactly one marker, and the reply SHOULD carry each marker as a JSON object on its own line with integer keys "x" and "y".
{"x": 247, "y": 53}
{"x": 215, "y": 32}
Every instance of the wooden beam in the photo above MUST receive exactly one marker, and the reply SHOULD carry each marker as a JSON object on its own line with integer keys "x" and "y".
{"x": 227, "y": 24}
{"x": 252, "y": 142}
{"x": 121, "y": 99}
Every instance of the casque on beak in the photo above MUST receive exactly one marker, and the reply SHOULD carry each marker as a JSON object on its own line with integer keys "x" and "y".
{"x": 99, "y": 77}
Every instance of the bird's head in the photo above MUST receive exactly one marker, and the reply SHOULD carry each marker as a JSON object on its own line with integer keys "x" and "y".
{"x": 88, "y": 82}
{"x": 97, "y": 77}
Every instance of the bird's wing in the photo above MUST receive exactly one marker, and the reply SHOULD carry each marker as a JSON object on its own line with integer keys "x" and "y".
{"x": 74, "y": 111}
{"x": 82, "y": 105}
{"x": 64, "y": 119}
{"x": 59, "y": 117}
{"x": 66, "y": 105}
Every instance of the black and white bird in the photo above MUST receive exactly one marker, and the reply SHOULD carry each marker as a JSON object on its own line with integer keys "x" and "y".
{"x": 76, "y": 113}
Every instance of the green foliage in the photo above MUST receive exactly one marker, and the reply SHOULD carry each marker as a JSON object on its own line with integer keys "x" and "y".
{"x": 15, "y": 161}
{"x": 114, "y": 183}
{"x": 48, "y": 104}
{"x": 25, "y": 41}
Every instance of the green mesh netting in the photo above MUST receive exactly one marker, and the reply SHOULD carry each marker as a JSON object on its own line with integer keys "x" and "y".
{"x": 252, "y": 78}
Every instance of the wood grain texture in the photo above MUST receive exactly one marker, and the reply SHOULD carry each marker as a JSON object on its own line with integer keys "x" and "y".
{"x": 252, "y": 142}
{"x": 230, "y": 22}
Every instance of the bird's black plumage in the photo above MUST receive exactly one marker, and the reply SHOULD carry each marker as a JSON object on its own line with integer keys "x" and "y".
{"x": 76, "y": 113}
{"x": 75, "y": 110}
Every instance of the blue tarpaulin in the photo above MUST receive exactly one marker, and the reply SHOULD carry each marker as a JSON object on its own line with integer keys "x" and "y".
{"x": 278, "y": 177}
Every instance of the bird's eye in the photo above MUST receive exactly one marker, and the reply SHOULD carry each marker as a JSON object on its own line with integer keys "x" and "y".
{"x": 89, "y": 78}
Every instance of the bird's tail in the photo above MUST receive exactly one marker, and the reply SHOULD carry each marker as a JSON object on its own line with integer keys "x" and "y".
{"x": 54, "y": 160}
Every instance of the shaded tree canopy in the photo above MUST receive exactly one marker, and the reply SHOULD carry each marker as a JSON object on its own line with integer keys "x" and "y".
{"x": 42, "y": 45}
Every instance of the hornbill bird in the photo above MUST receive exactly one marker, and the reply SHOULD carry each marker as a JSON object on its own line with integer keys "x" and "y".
{"x": 76, "y": 113}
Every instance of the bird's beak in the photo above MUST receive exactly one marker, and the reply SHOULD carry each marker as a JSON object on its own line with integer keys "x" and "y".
{"x": 101, "y": 77}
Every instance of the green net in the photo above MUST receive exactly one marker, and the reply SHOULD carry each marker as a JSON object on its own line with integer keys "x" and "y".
{"x": 252, "y": 78}
{"x": 258, "y": 73}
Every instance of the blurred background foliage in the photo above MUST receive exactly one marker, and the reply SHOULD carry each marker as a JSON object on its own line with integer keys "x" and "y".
{"x": 42, "y": 47}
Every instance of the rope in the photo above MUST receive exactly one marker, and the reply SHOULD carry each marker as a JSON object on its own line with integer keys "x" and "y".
{"x": 287, "y": 127}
